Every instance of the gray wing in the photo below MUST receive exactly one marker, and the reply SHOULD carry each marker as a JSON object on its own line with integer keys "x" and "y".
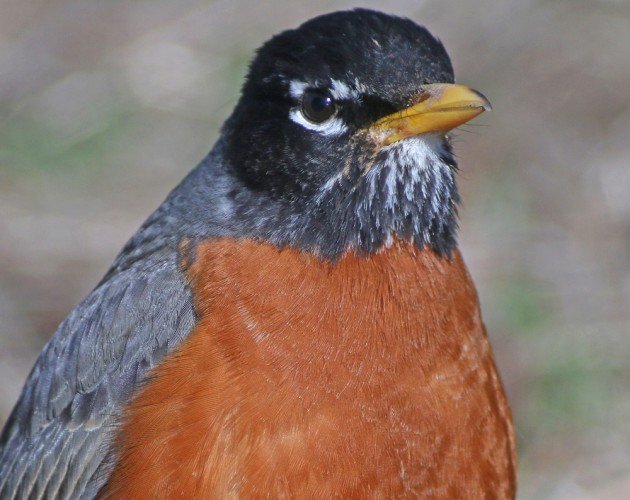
{"x": 57, "y": 442}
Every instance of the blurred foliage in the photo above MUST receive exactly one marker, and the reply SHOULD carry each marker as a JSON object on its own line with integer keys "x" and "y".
{"x": 29, "y": 145}
{"x": 522, "y": 305}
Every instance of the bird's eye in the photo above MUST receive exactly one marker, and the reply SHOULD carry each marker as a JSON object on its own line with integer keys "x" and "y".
{"x": 317, "y": 106}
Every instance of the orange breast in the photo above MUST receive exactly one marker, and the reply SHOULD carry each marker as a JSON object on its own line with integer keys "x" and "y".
{"x": 370, "y": 377}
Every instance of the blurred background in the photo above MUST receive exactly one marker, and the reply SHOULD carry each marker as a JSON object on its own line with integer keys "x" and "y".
{"x": 105, "y": 106}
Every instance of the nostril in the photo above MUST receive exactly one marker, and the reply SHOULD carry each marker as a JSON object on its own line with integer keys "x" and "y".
{"x": 420, "y": 97}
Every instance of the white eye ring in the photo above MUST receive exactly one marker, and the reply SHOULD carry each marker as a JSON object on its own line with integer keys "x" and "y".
{"x": 332, "y": 126}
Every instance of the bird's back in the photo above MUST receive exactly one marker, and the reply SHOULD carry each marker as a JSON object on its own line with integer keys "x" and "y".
{"x": 58, "y": 442}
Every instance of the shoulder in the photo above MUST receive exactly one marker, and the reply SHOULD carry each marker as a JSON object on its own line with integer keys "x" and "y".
{"x": 97, "y": 357}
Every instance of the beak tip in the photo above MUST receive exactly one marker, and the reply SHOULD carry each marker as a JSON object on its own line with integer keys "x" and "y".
{"x": 486, "y": 106}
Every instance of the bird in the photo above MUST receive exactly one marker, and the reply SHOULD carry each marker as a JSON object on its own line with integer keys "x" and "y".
{"x": 295, "y": 320}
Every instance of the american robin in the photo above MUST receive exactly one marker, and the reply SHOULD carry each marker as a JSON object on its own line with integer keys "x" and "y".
{"x": 295, "y": 320}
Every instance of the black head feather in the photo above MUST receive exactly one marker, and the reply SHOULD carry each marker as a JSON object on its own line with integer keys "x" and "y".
{"x": 326, "y": 187}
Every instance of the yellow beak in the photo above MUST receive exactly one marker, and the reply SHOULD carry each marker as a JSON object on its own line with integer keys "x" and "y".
{"x": 440, "y": 108}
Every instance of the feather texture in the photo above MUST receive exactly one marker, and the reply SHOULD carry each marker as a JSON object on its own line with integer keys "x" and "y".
{"x": 368, "y": 377}
{"x": 57, "y": 442}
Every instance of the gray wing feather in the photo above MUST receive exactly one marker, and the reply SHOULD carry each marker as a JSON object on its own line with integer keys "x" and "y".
{"x": 57, "y": 442}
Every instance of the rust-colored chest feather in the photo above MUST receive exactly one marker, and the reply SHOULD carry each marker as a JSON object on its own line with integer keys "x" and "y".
{"x": 370, "y": 377}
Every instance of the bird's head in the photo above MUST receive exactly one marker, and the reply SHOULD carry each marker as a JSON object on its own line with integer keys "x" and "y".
{"x": 341, "y": 128}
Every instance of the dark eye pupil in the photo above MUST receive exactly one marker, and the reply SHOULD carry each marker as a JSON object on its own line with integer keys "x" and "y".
{"x": 317, "y": 106}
